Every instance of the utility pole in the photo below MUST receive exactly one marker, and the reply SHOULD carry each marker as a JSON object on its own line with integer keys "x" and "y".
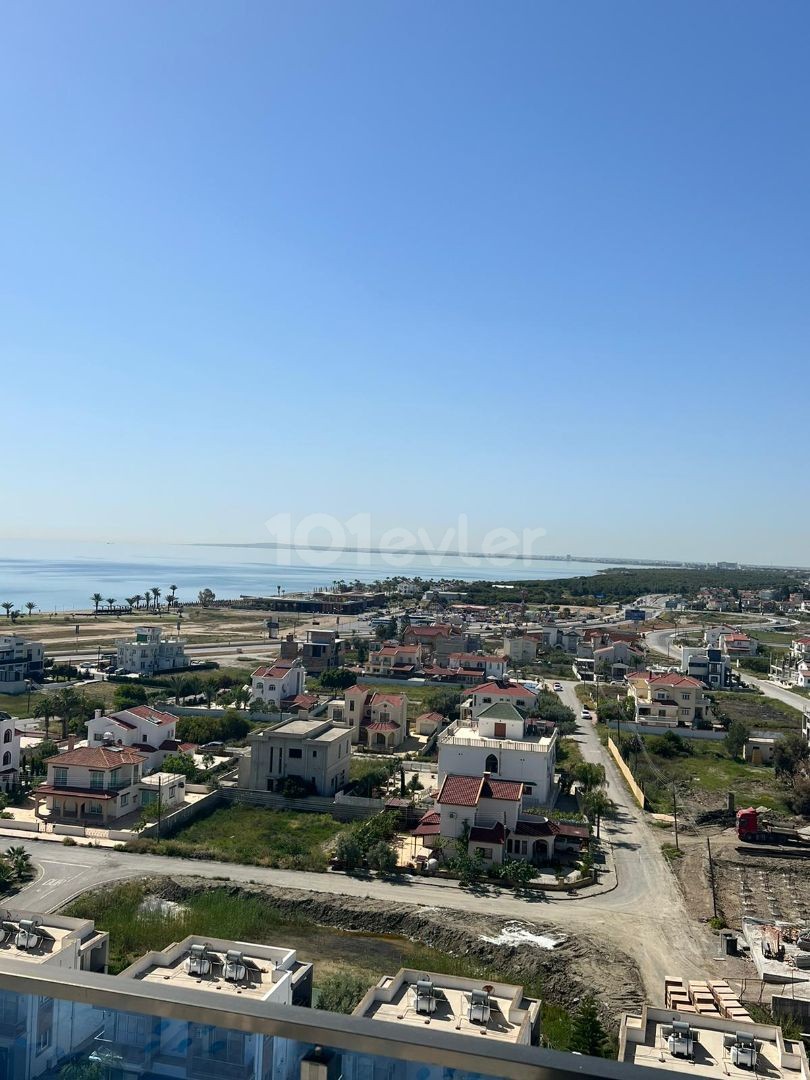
{"x": 675, "y": 816}
{"x": 160, "y": 809}
{"x": 711, "y": 876}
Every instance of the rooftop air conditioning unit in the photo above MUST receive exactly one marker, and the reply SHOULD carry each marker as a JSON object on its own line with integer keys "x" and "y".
{"x": 480, "y": 1008}
{"x": 425, "y": 996}
{"x": 29, "y": 936}
{"x": 199, "y": 961}
{"x": 680, "y": 1039}
{"x": 235, "y": 969}
{"x": 743, "y": 1049}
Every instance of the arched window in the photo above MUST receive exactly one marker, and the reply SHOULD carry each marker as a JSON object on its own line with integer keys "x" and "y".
{"x": 491, "y": 763}
{"x": 8, "y": 736}
{"x": 7, "y": 758}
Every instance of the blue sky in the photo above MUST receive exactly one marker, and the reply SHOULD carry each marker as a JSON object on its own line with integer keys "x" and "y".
{"x": 542, "y": 264}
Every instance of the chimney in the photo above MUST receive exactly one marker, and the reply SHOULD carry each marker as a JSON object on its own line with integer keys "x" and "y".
{"x": 71, "y": 742}
{"x": 98, "y": 714}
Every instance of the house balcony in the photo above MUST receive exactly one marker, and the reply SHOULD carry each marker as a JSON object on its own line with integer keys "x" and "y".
{"x": 466, "y": 732}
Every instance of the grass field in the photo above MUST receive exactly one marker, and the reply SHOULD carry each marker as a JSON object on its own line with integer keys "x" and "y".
{"x": 218, "y": 913}
{"x": 704, "y": 777}
{"x": 762, "y": 713}
{"x": 253, "y": 835}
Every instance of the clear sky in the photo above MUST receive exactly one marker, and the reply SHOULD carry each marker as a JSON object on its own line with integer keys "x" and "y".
{"x": 541, "y": 263}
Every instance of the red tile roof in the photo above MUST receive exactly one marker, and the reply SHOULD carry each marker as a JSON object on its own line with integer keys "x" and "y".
{"x": 436, "y": 717}
{"x": 428, "y": 826}
{"x": 508, "y": 689}
{"x": 144, "y": 712}
{"x": 381, "y": 725}
{"x": 98, "y": 757}
{"x": 388, "y": 699}
{"x": 277, "y": 671}
{"x": 467, "y": 790}
{"x": 488, "y": 834}
{"x": 665, "y": 679}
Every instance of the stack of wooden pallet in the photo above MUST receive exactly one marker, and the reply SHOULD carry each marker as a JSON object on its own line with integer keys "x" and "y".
{"x": 677, "y": 996}
{"x": 701, "y": 997}
{"x": 727, "y": 1002}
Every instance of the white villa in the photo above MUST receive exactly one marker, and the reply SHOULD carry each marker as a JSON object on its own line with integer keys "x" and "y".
{"x": 281, "y": 681}
{"x": 149, "y": 653}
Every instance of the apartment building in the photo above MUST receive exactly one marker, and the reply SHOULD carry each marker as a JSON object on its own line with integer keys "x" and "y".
{"x": 149, "y": 653}
{"x": 21, "y": 662}
{"x": 36, "y": 1028}
{"x": 454, "y": 1004}
{"x": 279, "y": 682}
{"x": 315, "y": 752}
{"x": 669, "y": 699}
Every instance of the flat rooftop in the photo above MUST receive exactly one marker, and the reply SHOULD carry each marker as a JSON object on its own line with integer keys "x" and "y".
{"x": 38, "y": 939}
{"x": 264, "y": 968}
{"x": 512, "y": 1016}
{"x": 646, "y": 1045}
{"x": 469, "y": 734}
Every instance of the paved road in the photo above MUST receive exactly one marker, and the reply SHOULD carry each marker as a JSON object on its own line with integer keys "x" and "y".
{"x": 643, "y": 915}
{"x": 661, "y": 639}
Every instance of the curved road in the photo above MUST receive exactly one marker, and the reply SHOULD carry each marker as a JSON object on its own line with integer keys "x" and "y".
{"x": 662, "y": 641}
{"x": 641, "y": 913}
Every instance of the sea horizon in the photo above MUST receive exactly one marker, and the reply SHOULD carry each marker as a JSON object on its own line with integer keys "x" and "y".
{"x": 62, "y": 576}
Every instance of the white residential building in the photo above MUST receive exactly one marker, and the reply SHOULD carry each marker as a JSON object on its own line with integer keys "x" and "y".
{"x": 520, "y": 650}
{"x": 738, "y": 645}
{"x": 149, "y": 654}
{"x": 20, "y": 661}
{"x": 279, "y": 682}
{"x": 495, "y": 692}
{"x": 475, "y": 664}
{"x": 501, "y": 742}
{"x": 800, "y": 648}
{"x": 10, "y": 751}
{"x": 711, "y": 666}
{"x": 142, "y": 728}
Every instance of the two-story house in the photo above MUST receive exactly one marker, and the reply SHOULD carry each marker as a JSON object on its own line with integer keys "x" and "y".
{"x": 21, "y": 662}
{"x": 736, "y": 644}
{"x": 494, "y": 692}
{"x": 279, "y": 682}
{"x": 711, "y": 666}
{"x": 376, "y": 720}
{"x": 474, "y": 665}
{"x": 315, "y": 752}
{"x": 669, "y": 699}
{"x": 394, "y": 661}
{"x": 100, "y": 784}
{"x": 149, "y": 731}
{"x": 319, "y": 651}
{"x": 437, "y": 641}
{"x": 520, "y": 648}
{"x": 800, "y": 648}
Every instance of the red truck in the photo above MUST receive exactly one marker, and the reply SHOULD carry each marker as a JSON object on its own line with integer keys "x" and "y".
{"x": 754, "y": 829}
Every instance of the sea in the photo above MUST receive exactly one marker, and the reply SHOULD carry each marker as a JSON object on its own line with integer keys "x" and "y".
{"x": 62, "y": 576}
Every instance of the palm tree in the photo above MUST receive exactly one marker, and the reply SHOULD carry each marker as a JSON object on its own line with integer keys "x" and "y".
{"x": 178, "y": 683}
{"x": 65, "y": 704}
{"x": 130, "y": 600}
{"x": 111, "y": 601}
{"x": 96, "y": 598}
{"x": 156, "y": 595}
{"x": 172, "y": 598}
{"x": 30, "y": 605}
{"x": 147, "y": 596}
{"x": 19, "y": 860}
{"x": 597, "y": 804}
{"x": 137, "y": 598}
{"x": 44, "y": 710}
{"x": 8, "y": 605}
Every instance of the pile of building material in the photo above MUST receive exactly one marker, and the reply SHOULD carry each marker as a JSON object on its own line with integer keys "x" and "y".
{"x": 704, "y": 999}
